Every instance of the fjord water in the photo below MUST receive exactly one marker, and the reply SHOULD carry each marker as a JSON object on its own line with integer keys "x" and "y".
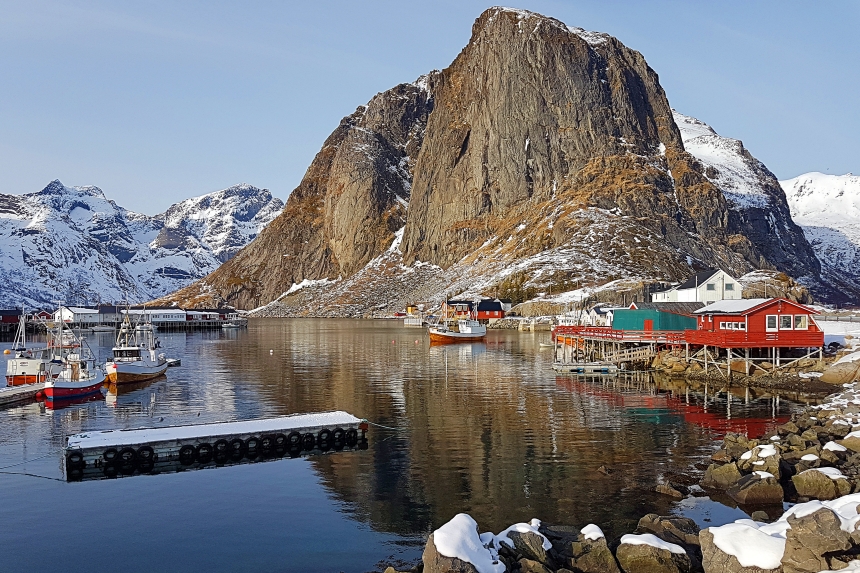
{"x": 487, "y": 429}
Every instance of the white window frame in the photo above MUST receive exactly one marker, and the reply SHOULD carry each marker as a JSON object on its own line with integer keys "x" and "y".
{"x": 791, "y": 320}
{"x": 711, "y": 287}
{"x": 730, "y": 286}
{"x": 804, "y": 319}
{"x": 767, "y": 327}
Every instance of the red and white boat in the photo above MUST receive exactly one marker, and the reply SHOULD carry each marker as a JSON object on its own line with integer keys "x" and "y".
{"x": 468, "y": 330}
{"x": 135, "y": 357}
{"x": 27, "y": 365}
{"x": 78, "y": 373}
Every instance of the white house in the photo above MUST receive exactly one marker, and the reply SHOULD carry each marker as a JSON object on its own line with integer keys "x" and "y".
{"x": 76, "y": 315}
{"x": 706, "y": 287}
{"x": 157, "y": 314}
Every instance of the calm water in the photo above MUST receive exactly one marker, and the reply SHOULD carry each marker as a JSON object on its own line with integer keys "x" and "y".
{"x": 483, "y": 428}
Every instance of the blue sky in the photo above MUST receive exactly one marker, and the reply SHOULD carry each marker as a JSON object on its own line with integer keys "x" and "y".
{"x": 155, "y": 102}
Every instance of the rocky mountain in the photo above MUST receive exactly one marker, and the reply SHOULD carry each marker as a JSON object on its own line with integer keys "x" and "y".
{"x": 827, "y": 208}
{"x": 75, "y": 244}
{"x": 545, "y": 158}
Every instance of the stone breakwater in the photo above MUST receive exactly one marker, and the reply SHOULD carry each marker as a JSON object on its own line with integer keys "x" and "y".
{"x": 813, "y": 460}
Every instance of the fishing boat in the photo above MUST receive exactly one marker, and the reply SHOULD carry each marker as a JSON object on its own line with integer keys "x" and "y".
{"x": 467, "y": 330}
{"x": 104, "y": 328}
{"x": 229, "y": 325}
{"x": 77, "y": 373}
{"x": 135, "y": 356}
{"x": 27, "y": 365}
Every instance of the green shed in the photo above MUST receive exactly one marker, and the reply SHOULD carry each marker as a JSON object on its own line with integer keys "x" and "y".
{"x": 656, "y": 316}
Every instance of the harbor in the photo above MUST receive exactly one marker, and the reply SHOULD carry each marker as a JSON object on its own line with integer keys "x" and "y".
{"x": 470, "y": 423}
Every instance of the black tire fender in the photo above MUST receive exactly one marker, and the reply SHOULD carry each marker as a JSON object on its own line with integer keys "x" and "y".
{"x": 324, "y": 439}
{"x": 187, "y": 453}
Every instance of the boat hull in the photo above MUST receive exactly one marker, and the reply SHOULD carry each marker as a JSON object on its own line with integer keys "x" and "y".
{"x": 449, "y": 337}
{"x": 24, "y": 379}
{"x": 118, "y": 373}
{"x": 70, "y": 390}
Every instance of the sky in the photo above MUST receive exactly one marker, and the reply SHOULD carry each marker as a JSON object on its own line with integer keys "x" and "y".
{"x": 155, "y": 102}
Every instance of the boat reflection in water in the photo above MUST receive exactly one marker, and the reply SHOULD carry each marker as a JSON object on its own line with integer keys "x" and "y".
{"x": 115, "y": 392}
{"x": 60, "y": 403}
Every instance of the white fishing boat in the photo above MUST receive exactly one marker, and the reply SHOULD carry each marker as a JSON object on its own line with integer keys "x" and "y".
{"x": 77, "y": 373}
{"x": 467, "y": 330}
{"x": 104, "y": 328}
{"x": 229, "y": 325}
{"x": 135, "y": 356}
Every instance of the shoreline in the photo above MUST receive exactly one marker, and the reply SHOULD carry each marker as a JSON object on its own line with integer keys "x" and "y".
{"x": 813, "y": 461}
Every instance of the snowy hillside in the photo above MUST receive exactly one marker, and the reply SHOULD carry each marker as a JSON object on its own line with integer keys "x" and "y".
{"x": 728, "y": 165}
{"x": 827, "y": 207}
{"x": 74, "y": 244}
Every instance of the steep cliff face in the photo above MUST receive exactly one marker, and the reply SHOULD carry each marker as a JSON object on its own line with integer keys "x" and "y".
{"x": 527, "y": 105}
{"x": 345, "y": 211}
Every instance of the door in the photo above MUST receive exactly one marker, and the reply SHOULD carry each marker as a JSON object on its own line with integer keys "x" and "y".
{"x": 649, "y": 324}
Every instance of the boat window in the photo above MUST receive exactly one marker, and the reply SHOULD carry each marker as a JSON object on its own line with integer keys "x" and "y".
{"x": 801, "y": 322}
{"x": 785, "y": 322}
{"x": 771, "y": 322}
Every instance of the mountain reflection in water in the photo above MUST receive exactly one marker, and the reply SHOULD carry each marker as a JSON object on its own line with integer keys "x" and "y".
{"x": 484, "y": 428}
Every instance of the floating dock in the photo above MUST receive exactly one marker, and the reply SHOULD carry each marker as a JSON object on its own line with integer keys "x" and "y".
{"x": 585, "y": 367}
{"x": 16, "y": 394}
{"x": 120, "y": 453}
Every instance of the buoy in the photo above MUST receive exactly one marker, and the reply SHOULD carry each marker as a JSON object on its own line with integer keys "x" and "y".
{"x": 416, "y": 342}
{"x": 7, "y": 351}
{"x": 40, "y": 396}
{"x": 271, "y": 351}
{"x": 392, "y": 342}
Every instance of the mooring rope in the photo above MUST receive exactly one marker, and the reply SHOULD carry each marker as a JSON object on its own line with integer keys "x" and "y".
{"x": 27, "y": 461}
{"x": 381, "y": 426}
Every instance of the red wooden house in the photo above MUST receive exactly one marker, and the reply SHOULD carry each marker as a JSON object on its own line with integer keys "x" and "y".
{"x": 489, "y": 309}
{"x": 756, "y": 323}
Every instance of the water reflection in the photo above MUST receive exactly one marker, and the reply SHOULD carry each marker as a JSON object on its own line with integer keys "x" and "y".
{"x": 486, "y": 428}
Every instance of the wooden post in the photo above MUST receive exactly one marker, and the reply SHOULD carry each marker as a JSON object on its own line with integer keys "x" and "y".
{"x": 706, "y": 361}
{"x": 747, "y": 361}
{"x": 729, "y": 363}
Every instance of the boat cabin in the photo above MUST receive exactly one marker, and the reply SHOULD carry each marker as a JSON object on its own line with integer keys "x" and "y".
{"x": 757, "y": 323}
{"x": 131, "y": 353}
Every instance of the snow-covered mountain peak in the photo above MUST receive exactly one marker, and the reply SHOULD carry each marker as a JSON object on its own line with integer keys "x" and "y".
{"x": 75, "y": 243}
{"x": 827, "y": 207}
{"x": 728, "y": 164}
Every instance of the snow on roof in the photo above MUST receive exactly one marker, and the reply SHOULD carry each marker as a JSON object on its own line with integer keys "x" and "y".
{"x": 732, "y": 306}
{"x": 81, "y": 310}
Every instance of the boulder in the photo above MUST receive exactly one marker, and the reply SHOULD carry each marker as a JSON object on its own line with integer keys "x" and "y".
{"x": 667, "y": 489}
{"x": 755, "y": 489}
{"x": 841, "y": 372}
{"x": 715, "y": 560}
{"x": 529, "y": 545}
{"x": 810, "y": 538}
{"x": 721, "y": 477}
{"x": 852, "y": 443}
{"x": 763, "y": 458}
{"x": 814, "y": 484}
{"x": 681, "y": 531}
{"x": 531, "y": 566}
{"x": 647, "y": 558}
{"x": 589, "y": 556}
{"x": 435, "y": 562}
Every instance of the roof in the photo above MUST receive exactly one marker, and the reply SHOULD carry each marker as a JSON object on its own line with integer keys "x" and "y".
{"x": 746, "y": 305}
{"x": 10, "y": 312}
{"x": 697, "y": 279}
{"x": 81, "y": 310}
{"x": 488, "y": 304}
{"x": 686, "y": 308}
{"x": 459, "y": 302}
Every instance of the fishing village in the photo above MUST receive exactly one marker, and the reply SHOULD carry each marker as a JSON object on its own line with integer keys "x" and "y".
{"x": 376, "y": 288}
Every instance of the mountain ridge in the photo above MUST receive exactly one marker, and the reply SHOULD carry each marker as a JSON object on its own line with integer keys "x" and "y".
{"x": 75, "y": 244}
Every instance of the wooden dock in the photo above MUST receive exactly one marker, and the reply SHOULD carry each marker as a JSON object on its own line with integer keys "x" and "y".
{"x": 17, "y": 394}
{"x": 119, "y": 453}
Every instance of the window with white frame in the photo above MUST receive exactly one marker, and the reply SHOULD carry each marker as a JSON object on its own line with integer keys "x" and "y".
{"x": 801, "y": 322}
{"x": 785, "y": 322}
{"x": 711, "y": 286}
{"x": 771, "y": 323}
{"x": 730, "y": 286}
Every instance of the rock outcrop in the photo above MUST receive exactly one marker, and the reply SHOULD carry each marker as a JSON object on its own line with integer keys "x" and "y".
{"x": 345, "y": 211}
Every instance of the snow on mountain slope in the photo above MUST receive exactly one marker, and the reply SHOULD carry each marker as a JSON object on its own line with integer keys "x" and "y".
{"x": 827, "y": 208}
{"x": 728, "y": 165}
{"x": 74, "y": 244}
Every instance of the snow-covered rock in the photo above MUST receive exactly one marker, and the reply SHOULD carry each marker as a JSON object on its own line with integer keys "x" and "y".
{"x": 75, "y": 244}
